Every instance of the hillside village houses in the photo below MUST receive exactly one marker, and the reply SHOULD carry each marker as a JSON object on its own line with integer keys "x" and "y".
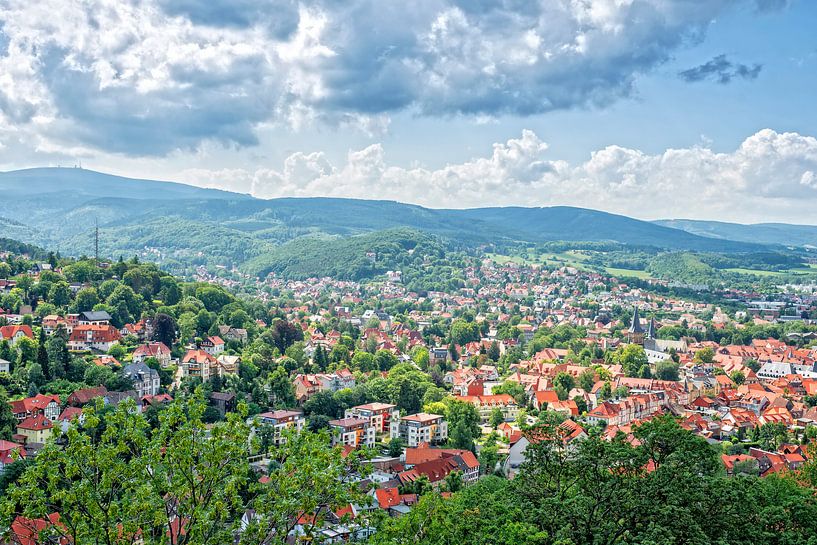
{"x": 721, "y": 399}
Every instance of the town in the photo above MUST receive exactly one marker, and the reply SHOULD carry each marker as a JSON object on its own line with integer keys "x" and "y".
{"x": 429, "y": 393}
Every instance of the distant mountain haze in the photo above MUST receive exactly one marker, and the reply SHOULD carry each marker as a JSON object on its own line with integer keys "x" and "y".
{"x": 57, "y": 208}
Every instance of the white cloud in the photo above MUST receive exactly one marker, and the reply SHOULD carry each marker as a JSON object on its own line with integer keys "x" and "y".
{"x": 769, "y": 176}
{"x": 150, "y": 77}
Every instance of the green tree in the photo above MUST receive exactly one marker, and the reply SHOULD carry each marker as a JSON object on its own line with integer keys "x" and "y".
{"x": 497, "y": 417}
{"x": 666, "y": 370}
{"x": 8, "y": 424}
{"x": 463, "y": 424}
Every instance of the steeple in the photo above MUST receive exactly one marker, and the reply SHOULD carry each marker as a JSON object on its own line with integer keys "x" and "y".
{"x": 635, "y": 327}
{"x": 635, "y": 334}
{"x": 651, "y": 333}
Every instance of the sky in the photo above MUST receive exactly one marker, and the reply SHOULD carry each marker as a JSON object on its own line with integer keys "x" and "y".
{"x": 700, "y": 109}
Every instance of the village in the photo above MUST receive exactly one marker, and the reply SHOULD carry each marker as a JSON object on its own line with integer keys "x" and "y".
{"x": 516, "y": 346}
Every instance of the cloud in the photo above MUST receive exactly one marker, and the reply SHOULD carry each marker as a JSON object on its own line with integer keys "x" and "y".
{"x": 771, "y": 5}
{"x": 721, "y": 70}
{"x": 151, "y": 77}
{"x": 769, "y": 176}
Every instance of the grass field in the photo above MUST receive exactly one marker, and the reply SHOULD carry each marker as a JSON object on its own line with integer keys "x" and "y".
{"x": 633, "y": 273}
{"x": 562, "y": 259}
{"x": 753, "y": 271}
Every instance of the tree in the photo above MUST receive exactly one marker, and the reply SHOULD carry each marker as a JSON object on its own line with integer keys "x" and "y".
{"x": 27, "y": 350}
{"x": 587, "y": 379}
{"x": 463, "y": 424}
{"x": 564, "y": 381}
{"x": 738, "y": 377}
{"x": 281, "y": 389}
{"x": 42, "y": 355}
{"x": 453, "y": 481}
{"x": 385, "y": 360}
{"x": 493, "y": 352}
{"x": 667, "y": 370}
{"x": 489, "y": 454}
{"x": 60, "y": 294}
{"x": 631, "y": 357}
{"x": 704, "y": 355}
{"x": 85, "y": 300}
{"x": 8, "y": 424}
{"x": 396, "y": 447}
{"x": 284, "y": 334}
{"x": 165, "y": 330}
{"x": 497, "y": 417}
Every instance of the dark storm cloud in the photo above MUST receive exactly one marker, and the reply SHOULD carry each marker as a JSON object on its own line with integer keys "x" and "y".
{"x": 721, "y": 70}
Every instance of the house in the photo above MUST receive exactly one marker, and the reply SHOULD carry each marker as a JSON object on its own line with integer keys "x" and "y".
{"x": 623, "y": 411}
{"x": 53, "y": 322}
{"x": 389, "y": 499}
{"x": 145, "y": 380}
{"x": 212, "y": 345}
{"x": 379, "y": 415}
{"x": 84, "y": 396}
{"x": 567, "y": 433}
{"x": 115, "y": 398}
{"x": 422, "y": 428}
{"x": 40, "y": 404}
{"x": 98, "y": 337}
{"x": 105, "y": 360}
{"x": 69, "y": 415}
{"x": 280, "y": 421}
{"x": 199, "y": 364}
{"x": 94, "y": 317}
{"x": 466, "y": 462}
{"x": 26, "y": 531}
{"x": 233, "y": 333}
{"x": 486, "y": 404}
{"x": 36, "y": 429}
{"x": 352, "y": 432}
{"x": 9, "y": 453}
{"x": 5, "y": 366}
{"x": 228, "y": 365}
{"x": 157, "y": 400}
{"x": 438, "y": 468}
{"x": 156, "y": 350}
{"x": 13, "y": 333}
{"x": 223, "y": 401}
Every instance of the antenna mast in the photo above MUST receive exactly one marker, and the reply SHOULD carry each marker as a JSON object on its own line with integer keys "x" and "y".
{"x": 96, "y": 240}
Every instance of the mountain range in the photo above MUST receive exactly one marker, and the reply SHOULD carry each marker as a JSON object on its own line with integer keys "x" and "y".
{"x": 187, "y": 225}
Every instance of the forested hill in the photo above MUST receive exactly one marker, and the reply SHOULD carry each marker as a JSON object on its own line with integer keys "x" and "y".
{"x": 182, "y": 226}
{"x": 763, "y": 233}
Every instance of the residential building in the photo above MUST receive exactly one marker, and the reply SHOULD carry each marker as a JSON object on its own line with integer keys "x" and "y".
{"x": 13, "y": 333}
{"x": 282, "y": 420}
{"x": 78, "y": 398}
{"x": 156, "y": 350}
{"x": 422, "y": 428}
{"x": 486, "y": 404}
{"x": 9, "y": 453}
{"x": 212, "y": 345}
{"x": 36, "y": 429}
{"x": 94, "y": 317}
{"x": 100, "y": 337}
{"x": 352, "y": 432}
{"x": 379, "y": 415}
{"x": 145, "y": 379}
{"x": 40, "y": 404}
{"x": 200, "y": 364}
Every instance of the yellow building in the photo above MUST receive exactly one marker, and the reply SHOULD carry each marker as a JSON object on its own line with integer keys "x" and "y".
{"x": 36, "y": 429}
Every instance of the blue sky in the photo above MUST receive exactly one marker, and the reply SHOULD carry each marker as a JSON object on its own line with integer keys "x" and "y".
{"x": 652, "y": 108}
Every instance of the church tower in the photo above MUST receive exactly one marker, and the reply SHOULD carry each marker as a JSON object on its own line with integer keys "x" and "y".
{"x": 635, "y": 335}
